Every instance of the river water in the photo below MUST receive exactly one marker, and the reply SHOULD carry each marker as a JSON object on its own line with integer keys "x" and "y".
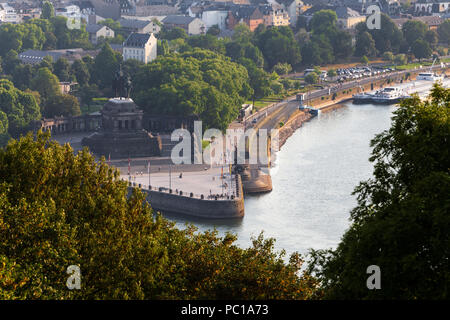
{"x": 315, "y": 174}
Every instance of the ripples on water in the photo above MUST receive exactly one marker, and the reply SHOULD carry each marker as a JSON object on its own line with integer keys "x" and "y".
{"x": 318, "y": 168}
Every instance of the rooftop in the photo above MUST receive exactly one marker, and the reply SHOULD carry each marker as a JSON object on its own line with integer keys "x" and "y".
{"x": 36, "y": 56}
{"x": 346, "y": 12}
{"x": 134, "y": 23}
{"x": 137, "y": 40}
{"x": 94, "y": 28}
{"x": 178, "y": 20}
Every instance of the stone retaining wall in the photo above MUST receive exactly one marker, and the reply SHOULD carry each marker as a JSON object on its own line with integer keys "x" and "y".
{"x": 192, "y": 206}
{"x": 291, "y": 125}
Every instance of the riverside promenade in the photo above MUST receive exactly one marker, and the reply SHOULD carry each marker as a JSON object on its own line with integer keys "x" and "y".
{"x": 287, "y": 117}
{"x": 199, "y": 194}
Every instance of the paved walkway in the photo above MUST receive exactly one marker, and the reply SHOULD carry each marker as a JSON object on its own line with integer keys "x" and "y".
{"x": 204, "y": 182}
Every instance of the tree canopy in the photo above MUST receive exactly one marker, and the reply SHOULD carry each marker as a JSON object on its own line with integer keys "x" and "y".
{"x": 17, "y": 110}
{"x": 200, "y": 82}
{"x": 59, "y": 209}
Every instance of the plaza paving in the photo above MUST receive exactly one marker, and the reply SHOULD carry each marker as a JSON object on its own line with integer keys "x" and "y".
{"x": 199, "y": 182}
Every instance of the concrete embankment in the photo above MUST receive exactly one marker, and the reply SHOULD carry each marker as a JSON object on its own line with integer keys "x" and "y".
{"x": 164, "y": 200}
{"x": 257, "y": 182}
{"x": 295, "y": 122}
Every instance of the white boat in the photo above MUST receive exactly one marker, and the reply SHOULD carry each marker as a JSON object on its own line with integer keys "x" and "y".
{"x": 429, "y": 76}
{"x": 388, "y": 95}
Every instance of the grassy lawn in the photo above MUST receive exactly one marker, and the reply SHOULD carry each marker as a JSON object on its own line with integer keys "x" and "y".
{"x": 418, "y": 64}
{"x": 412, "y": 65}
{"x": 261, "y": 103}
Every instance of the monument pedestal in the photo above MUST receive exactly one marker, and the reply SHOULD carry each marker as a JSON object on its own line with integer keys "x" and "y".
{"x": 122, "y": 135}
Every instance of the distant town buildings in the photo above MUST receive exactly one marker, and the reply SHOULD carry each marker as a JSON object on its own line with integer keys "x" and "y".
{"x": 197, "y": 16}
{"x": 348, "y": 18}
{"x": 250, "y": 15}
{"x": 97, "y": 31}
{"x": 18, "y": 12}
{"x": 192, "y": 26}
{"x": 139, "y": 26}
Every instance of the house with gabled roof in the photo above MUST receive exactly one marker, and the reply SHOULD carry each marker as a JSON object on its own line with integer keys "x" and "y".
{"x": 139, "y": 26}
{"x": 97, "y": 30}
{"x": 140, "y": 46}
{"x": 250, "y": 15}
{"x": 191, "y": 25}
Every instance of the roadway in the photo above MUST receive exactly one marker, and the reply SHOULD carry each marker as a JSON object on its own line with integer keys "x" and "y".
{"x": 283, "y": 109}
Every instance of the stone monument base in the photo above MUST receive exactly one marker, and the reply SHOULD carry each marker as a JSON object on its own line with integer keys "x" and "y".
{"x": 123, "y": 144}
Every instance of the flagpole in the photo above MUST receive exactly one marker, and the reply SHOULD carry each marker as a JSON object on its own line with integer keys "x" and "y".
{"x": 170, "y": 177}
{"x": 129, "y": 169}
{"x": 148, "y": 171}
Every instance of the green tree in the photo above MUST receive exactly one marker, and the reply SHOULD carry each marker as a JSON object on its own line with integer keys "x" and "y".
{"x": 400, "y": 59}
{"x": 421, "y": 49}
{"x": 213, "y": 30}
{"x": 387, "y": 38}
{"x": 11, "y": 36}
{"x": 431, "y": 37}
{"x": 342, "y": 43}
{"x": 80, "y": 70}
{"x": 323, "y": 21}
{"x": 58, "y": 209}
{"x": 10, "y": 62}
{"x": 47, "y": 84}
{"x": 388, "y": 56}
{"x": 47, "y": 62}
{"x": 62, "y": 105}
{"x": 259, "y": 79}
{"x": 242, "y": 33}
{"x": 331, "y": 73}
{"x": 20, "y": 108}
{"x": 47, "y": 10}
{"x": 163, "y": 47}
{"x": 61, "y": 69}
{"x": 365, "y": 60}
{"x": 3, "y": 123}
{"x": 237, "y": 50}
{"x": 282, "y": 68}
{"x": 22, "y": 76}
{"x": 87, "y": 93}
{"x": 444, "y": 32}
{"x": 401, "y": 222}
{"x": 278, "y": 45}
{"x": 312, "y": 78}
{"x": 172, "y": 34}
{"x": 365, "y": 45}
{"x": 414, "y": 30}
{"x": 33, "y": 37}
{"x": 105, "y": 65}
{"x": 199, "y": 82}
{"x": 61, "y": 32}
{"x": 208, "y": 42}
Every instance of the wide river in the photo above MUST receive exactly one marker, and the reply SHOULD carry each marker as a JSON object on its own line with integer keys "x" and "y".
{"x": 315, "y": 174}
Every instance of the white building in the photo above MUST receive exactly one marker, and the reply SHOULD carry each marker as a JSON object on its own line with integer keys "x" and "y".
{"x": 293, "y": 8}
{"x": 8, "y": 14}
{"x": 71, "y": 11}
{"x": 192, "y": 26}
{"x": 140, "y": 46}
{"x": 429, "y": 7}
{"x": 215, "y": 16}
